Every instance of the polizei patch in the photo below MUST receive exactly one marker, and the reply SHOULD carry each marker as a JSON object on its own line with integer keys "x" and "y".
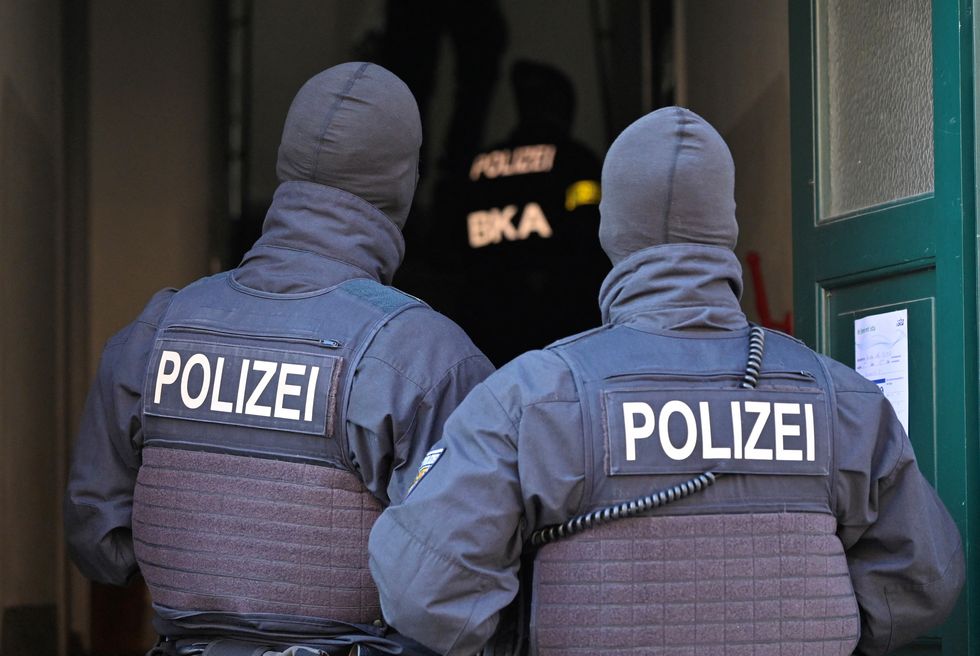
{"x": 242, "y": 385}
{"x": 658, "y": 431}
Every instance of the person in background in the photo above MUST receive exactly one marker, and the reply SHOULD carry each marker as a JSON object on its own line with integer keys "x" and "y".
{"x": 519, "y": 225}
{"x": 244, "y": 432}
{"x": 791, "y": 516}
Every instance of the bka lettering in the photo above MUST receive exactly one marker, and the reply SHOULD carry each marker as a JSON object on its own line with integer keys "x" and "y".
{"x": 790, "y": 426}
{"x": 494, "y": 225}
{"x": 200, "y": 382}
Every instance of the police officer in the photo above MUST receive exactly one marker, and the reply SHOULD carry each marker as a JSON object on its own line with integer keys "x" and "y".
{"x": 523, "y": 225}
{"x": 818, "y": 535}
{"x": 244, "y": 432}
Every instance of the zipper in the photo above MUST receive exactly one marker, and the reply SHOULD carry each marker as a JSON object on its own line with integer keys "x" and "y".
{"x": 679, "y": 375}
{"x": 798, "y": 375}
{"x": 315, "y": 341}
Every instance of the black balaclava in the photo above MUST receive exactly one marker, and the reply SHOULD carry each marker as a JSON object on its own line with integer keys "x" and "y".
{"x": 355, "y": 127}
{"x": 545, "y": 97}
{"x": 667, "y": 179}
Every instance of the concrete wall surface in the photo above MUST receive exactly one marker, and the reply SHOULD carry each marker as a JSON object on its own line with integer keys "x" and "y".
{"x": 735, "y": 61}
{"x": 30, "y": 339}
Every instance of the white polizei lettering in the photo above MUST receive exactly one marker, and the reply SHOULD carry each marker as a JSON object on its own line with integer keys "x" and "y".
{"x": 242, "y": 379}
{"x": 496, "y": 163}
{"x": 310, "y": 393}
{"x": 673, "y": 452}
{"x": 521, "y": 160}
{"x": 737, "y": 429}
{"x": 808, "y": 421}
{"x": 216, "y": 403}
{"x": 252, "y": 406}
{"x": 786, "y": 430}
{"x": 255, "y": 377}
{"x": 165, "y": 377}
{"x": 283, "y": 389}
{"x": 634, "y": 432}
{"x": 763, "y": 409}
{"x": 547, "y": 157}
{"x": 709, "y": 451}
{"x": 792, "y": 440}
{"x": 193, "y": 402}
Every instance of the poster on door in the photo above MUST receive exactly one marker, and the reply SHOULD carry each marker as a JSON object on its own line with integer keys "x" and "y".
{"x": 881, "y": 354}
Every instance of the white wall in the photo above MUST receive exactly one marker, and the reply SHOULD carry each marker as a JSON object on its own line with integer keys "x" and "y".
{"x": 736, "y": 59}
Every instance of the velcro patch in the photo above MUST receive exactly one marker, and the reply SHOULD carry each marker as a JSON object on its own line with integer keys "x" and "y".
{"x": 242, "y": 385}
{"x": 664, "y": 431}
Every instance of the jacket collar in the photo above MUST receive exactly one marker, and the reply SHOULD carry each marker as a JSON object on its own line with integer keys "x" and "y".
{"x": 316, "y": 236}
{"x": 675, "y": 287}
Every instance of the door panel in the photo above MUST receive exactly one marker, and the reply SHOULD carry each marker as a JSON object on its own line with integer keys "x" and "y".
{"x": 911, "y": 291}
{"x": 874, "y": 230}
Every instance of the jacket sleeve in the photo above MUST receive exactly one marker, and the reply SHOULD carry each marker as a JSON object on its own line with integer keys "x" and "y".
{"x": 446, "y": 560}
{"x": 419, "y": 368}
{"x": 902, "y": 547}
{"x": 106, "y": 455}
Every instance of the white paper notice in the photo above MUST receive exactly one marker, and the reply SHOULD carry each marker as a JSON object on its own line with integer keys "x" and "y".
{"x": 881, "y": 354}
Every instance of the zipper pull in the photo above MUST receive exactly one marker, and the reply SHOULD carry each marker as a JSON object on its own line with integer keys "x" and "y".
{"x": 331, "y": 343}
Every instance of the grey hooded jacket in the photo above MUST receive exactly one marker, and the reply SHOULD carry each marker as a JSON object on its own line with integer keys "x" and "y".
{"x": 828, "y": 538}
{"x": 409, "y": 369}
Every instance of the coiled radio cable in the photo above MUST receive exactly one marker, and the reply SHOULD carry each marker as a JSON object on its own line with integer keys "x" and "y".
{"x": 633, "y": 507}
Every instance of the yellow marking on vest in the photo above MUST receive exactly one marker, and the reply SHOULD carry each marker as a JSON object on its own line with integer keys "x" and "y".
{"x": 583, "y": 192}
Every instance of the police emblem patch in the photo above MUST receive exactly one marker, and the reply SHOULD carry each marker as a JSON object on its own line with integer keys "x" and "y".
{"x": 428, "y": 462}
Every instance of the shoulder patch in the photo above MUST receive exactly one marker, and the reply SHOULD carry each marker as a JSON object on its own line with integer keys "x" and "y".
{"x": 571, "y": 339}
{"x": 381, "y": 296}
{"x": 428, "y": 462}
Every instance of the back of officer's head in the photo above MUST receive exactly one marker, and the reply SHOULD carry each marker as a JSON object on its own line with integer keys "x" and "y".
{"x": 544, "y": 95}
{"x": 668, "y": 178}
{"x": 355, "y": 127}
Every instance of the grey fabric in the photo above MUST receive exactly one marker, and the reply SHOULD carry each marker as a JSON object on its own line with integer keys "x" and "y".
{"x": 234, "y": 648}
{"x": 667, "y": 179}
{"x": 534, "y": 444}
{"x": 517, "y": 459}
{"x": 355, "y": 127}
{"x": 405, "y": 381}
{"x": 697, "y": 286}
{"x": 309, "y": 222}
{"x": 217, "y": 532}
{"x": 764, "y": 583}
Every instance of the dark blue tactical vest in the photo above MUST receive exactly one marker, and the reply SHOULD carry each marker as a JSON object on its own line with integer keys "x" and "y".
{"x": 753, "y": 561}
{"x": 246, "y": 502}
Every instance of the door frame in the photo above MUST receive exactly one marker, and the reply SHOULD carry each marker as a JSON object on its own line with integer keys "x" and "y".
{"x": 937, "y": 230}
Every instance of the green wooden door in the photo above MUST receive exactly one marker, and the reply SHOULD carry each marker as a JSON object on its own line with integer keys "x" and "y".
{"x": 884, "y": 186}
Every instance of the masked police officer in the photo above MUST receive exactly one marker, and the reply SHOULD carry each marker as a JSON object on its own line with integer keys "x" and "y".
{"x": 820, "y": 536}
{"x": 521, "y": 229}
{"x": 244, "y": 432}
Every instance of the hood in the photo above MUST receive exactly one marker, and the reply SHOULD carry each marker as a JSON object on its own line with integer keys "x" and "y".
{"x": 675, "y": 287}
{"x": 355, "y": 127}
{"x": 668, "y": 178}
{"x": 315, "y": 237}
